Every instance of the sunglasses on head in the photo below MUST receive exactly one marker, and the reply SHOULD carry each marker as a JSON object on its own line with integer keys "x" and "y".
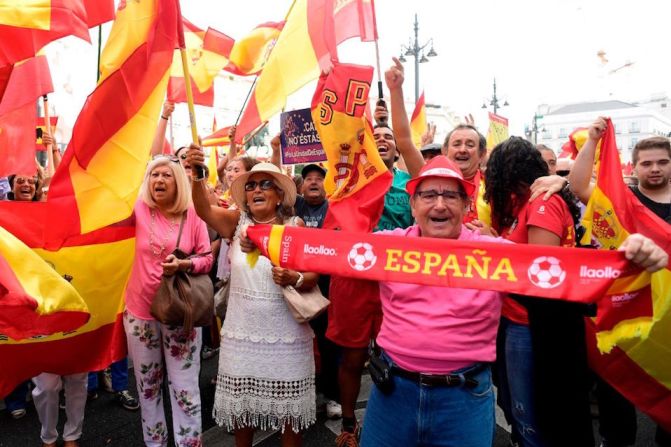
{"x": 265, "y": 185}
{"x": 169, "y": 157}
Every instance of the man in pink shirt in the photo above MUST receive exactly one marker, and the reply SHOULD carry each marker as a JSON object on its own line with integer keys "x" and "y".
{"x": 431, "y": 369}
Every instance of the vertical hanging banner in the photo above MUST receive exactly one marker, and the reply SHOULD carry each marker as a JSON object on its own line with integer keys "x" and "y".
{"x": 357, "y": 178}
{"x": 498, "y": 130}
{"x": 299, "y": 138}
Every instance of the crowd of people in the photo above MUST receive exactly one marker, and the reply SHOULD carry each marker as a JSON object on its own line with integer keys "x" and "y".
{"x": 439, "y": 351}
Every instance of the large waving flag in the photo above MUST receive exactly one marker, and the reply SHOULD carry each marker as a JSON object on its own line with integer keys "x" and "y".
{"x": 306, "y": 46}
{"x": 202, "y": 87}
{"x": 575, "y": 141}
{"x": 250, "y": 53}
{"x": 82, "y": 230}
{"x": 633, "y": 321}
{"x": 26, "y": 26}
{"x": 418, "y": 121}
{"x": 27, "y": 281}
{"x": 356, "y": 179}
{"x": 214, "y": 52}
{"x": 24, "y": 83}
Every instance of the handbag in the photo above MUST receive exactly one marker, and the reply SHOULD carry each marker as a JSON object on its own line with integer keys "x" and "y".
{"x": 305, "y": 306}
{"x": 184, "y": 299}
{"x": 221, "y": 298}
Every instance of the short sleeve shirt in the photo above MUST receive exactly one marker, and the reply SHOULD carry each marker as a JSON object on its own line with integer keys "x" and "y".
{"x": 552, "y": 215}
{"x": 396, "y": 213}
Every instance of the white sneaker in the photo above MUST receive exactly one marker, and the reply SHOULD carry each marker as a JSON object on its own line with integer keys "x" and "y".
{"x": 333, "y": 410}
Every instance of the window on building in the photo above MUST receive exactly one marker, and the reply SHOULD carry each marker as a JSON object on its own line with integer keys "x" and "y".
{"x": 634, "y": 127}
{"x": 562, "y": 132}
{"x": 547, "y": 135}
{"x": 634, "y": 140}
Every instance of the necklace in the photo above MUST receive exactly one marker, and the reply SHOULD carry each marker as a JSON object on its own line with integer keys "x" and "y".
{"x": 157, "y": 248}
{"x": 264, "y": 221}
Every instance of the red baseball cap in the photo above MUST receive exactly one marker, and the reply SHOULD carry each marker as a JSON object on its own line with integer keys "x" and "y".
{"x": 440, "y": 167}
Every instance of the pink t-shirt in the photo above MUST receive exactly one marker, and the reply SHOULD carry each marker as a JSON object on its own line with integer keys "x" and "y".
{"x": 145, "y": 276}
{"x": 438, "y": 330}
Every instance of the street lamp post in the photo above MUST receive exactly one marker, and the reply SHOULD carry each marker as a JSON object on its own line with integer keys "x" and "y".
{"x": 494, "y": 102}
{"x": 415, "y": 49}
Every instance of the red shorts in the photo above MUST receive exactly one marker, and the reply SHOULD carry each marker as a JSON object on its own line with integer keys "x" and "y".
{"x": 355, "y": 313}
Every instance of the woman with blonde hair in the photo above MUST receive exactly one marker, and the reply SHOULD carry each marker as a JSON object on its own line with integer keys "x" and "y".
{"x": 163, "y": 206}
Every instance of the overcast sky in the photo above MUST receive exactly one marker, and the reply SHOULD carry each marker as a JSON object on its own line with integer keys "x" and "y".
{"x": 541, "y": 52}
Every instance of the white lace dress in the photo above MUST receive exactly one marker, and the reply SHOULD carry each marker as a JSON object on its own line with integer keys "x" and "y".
{"x": 266, "y": 364}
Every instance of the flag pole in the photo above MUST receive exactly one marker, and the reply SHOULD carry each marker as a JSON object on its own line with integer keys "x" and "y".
{"x": 200, "y": 172}
{"x": 47, "y": 124}
{"x": 100, "y": 42}
{"x": 380, "y": 92}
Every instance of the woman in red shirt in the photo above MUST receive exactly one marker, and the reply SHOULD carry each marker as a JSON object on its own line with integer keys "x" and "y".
{"x": 512, "y": 167}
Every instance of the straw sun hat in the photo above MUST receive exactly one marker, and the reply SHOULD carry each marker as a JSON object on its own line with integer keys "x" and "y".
{"x": 282, "y": 181}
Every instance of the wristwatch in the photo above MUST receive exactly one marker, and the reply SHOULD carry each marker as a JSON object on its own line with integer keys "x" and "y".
{"x": 299, "y": 282}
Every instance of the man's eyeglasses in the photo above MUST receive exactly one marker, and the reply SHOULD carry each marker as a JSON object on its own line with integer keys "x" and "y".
{"x": 265, "y": 185}
{"x": 431, "y": 196}
{"x": 22, "y": 180}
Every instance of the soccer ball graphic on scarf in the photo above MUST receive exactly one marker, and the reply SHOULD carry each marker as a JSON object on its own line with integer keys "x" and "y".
{"x": 546, "y": 272}
{"x": 361, "y": 256}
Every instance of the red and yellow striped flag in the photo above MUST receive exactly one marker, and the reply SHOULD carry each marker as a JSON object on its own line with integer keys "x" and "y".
{"x": 23, "y": 84}
{"x": 498, "y": 130}
{"x": 307, "y": 43}
{"x": 82, "y": 230}
{"x": 629, "y": 343}
{"x": 202, "y": 85}
{"x": 418, "y": 121}
{"x": 25, "y": 27}
{"x": 250, "y": 53}
{"x": 357, "y": 178}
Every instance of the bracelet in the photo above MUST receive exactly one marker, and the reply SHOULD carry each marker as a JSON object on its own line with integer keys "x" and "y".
{"x": 164, "y": 117}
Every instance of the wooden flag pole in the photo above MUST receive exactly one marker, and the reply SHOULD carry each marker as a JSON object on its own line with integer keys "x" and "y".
{"x": 49, "y": 147}
{"x": 200, "y": 172}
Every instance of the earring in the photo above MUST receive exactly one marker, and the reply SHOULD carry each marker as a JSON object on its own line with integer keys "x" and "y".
{"x": 278, "y": 203}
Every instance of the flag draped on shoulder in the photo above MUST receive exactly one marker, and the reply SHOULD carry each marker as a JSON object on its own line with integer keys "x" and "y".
{"x": 305, "y": 47}
{"x": 25, "y": 27}
{"x": 83, "y": 231}
{"x": 23, "y": 84}
{"x": 357, "y": 178}
{"x": 628, "y": 341}
{"x": 418, "y": 121}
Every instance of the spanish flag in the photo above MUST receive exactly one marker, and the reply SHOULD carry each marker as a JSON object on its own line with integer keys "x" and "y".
{"x": 83, "y": 231}
{"x": 216, "y": 48}
{"x": 23, "y": 84}
{"x": 498, "y": 130}
{"x": 575, "y": 141}
{"x": 628, "y": 342}
{"x": 250, "y": 53}
{"x": 357, "y": 178}
{"x": 418, "y": 121}
{"x": 203, "y": 93}
{"x": 305, "y": 47}
{"x": 218, "y": 138}
{"x": 27, "y": 26}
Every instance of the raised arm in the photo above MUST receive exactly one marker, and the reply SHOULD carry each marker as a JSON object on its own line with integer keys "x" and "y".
{"x": 394, "y": 77}
{"x": 580, "y": 177}
{"x": 159, "y": 136}
{"x": 222, "y": 220}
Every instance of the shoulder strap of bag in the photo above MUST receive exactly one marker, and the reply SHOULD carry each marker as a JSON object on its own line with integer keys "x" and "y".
{"x": 181, "y": 227}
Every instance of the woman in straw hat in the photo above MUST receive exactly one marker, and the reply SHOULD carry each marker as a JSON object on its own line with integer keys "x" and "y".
{"x": 266, "y": 365}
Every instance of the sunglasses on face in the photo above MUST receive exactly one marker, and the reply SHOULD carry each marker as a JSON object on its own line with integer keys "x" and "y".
{"x": 21, "y": 180}
{"x": 265, "y": 185}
